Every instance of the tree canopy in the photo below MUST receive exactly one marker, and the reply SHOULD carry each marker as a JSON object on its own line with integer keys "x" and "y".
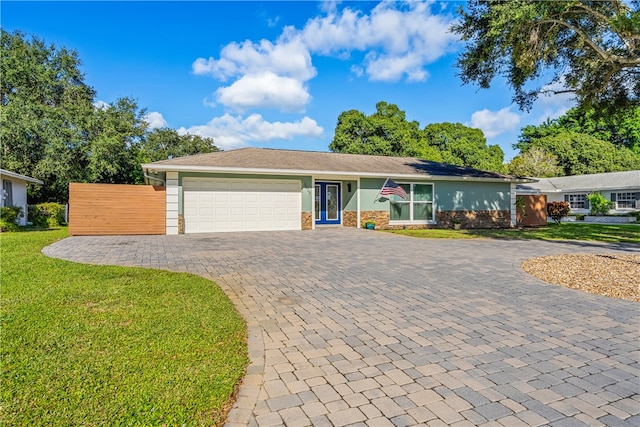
{"x": 590, "y": 48}
{"x": 580, "y": 153}
{"x": 387, "y": 132}
{"x": 384, "y": 133}
{"x": 460, "y": 145}
{"x": 51, "y": 127}
{"x": 535, "y": 162}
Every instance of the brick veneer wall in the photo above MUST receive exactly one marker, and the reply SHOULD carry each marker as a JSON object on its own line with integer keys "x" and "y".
{"x": 350, "y": 218}
{"x": 306, "y": 223}
{"x": 444, "y": 219}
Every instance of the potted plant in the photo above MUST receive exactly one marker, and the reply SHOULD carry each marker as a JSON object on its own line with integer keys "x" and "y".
{"x": 457, "y": 223}
{"x": 369, "y": 224}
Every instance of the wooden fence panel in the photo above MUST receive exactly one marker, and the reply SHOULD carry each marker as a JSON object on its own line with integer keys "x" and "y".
{"x": 535, "y": 209}
{"x": 111, "y": 209}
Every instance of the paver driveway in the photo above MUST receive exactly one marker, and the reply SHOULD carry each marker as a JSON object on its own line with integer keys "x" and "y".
{"x": 353, "y": 327}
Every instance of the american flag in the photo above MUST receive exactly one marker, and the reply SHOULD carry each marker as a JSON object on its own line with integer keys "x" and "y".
{"x": 392, "y": 187}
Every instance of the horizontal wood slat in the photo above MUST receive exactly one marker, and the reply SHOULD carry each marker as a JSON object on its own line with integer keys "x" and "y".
{"x": 536, "y": 210}
{"x": 112, "y": 209}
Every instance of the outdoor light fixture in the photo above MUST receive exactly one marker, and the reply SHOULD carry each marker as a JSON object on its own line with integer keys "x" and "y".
{"x": 349, "y": 187}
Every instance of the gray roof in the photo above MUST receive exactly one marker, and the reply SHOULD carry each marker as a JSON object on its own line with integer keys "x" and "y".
{"x": 4, "y": 172}
{"x": 266, "y": 160}
{"x": 591, "y": 182}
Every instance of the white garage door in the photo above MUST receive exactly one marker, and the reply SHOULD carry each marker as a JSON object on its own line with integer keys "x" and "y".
{"x": 218, "y": 205}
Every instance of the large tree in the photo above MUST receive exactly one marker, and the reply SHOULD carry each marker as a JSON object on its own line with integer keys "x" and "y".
{"x": 457, "y": 144}
{"x": 166, "y": 143}
{"x": 621, "y": 129}
{"x": 44, "y": 108}
{"x": 535, "y": 162}
{"x": 579, "y": 153}
{"x": 590, "y": 48}
{"x": 51, "y": 128}
{"x": 385, "y": 133}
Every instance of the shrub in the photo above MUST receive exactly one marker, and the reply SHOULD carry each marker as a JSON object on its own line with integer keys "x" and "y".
{"x": 558, "y": 210}
{"x": 599, "y": 204}
{"x": 47, "y": 214}
{"x": 9, "y": 216}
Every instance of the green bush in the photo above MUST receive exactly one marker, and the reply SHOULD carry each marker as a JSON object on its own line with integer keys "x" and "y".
{"x": 599, "y": 204}
{"x": 9, "y": 216}
{"x": 558, "y": 210}
{"x": 47, "y": 214}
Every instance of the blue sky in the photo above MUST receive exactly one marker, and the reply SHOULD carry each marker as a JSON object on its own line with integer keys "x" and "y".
{"x": 276, "y": 74}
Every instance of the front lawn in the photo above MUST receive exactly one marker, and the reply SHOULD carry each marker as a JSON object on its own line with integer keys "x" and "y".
{"x": 100, "y": 345}
{"x": 624, "y": 233}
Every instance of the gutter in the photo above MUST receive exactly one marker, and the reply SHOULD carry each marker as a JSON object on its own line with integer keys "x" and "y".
{"x": 148, "y": 177}
{"x": 259, "y": 171}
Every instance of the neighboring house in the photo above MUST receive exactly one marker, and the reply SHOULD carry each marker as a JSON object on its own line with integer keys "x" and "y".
{"x": 622, "y": 188}
{"x": 14, "y": 191}
{"x": 266, "y": 189}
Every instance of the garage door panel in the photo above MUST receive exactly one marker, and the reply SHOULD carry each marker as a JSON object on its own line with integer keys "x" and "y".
{"x": 221, "y": 205}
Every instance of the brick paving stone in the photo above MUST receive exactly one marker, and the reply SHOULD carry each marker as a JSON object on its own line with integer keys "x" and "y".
{"x": 313, "y": 409}
{"x": 477, "y": 333}
{"x": 403, "y": 421}
{"x": 388, "y": 407}
{"x": 379, "y": 422}
{"x": 493, "y": 411}
{"x": 512, "y": 421}
{"x": 445, "y": 412}
{"x": 294, "y": 417}
{"x": 346, "y": 417}
{"x": 283, "y": 402}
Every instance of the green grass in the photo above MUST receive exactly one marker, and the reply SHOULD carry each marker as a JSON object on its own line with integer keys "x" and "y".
{"x": 565, "y": 231}
{"x": 99, "y": 345}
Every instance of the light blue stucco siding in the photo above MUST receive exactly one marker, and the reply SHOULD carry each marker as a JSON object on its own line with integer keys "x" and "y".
{"x": 448, "y": 195}
{"x": 305, "y": 184}
{"x": 472, "y": 196}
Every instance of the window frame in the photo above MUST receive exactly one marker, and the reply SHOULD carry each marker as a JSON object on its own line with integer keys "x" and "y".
{"x": 411, "y": 202}
{"x": 583, "y": 201}
{"x": 631, "y": 201}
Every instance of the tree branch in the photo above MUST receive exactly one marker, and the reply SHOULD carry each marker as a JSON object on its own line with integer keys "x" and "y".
{"x": 623, "y": 61}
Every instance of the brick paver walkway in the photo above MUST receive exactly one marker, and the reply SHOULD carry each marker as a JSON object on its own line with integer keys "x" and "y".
{"x": 353, "y": 327}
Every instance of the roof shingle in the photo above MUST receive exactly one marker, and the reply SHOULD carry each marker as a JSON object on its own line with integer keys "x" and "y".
{"x": 322, "y": 162}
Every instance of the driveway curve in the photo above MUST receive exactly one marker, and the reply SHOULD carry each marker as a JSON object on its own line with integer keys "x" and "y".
{"x": 354, "y": 327}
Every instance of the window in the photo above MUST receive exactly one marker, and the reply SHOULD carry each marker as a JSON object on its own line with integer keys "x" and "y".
{"x": 418, "y": 206}
{"x": 7, "y": 193}
{"x": 625, "y": 200}
{"x": 576, "y": 201}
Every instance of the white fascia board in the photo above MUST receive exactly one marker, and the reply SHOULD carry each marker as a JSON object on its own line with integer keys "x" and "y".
{"x": 597, "y": 189}
{"x": 18, "y": 176}
{"x": 323, "y": 174}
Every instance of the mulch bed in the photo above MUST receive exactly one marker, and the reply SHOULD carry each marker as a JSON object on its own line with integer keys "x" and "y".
{"x": 613, "y": 275}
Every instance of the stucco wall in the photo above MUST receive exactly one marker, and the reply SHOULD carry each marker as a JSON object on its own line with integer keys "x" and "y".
{"x": 19, "y": 196}
{"x": 448, "y": 195}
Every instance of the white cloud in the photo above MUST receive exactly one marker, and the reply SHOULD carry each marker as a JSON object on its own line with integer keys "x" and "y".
{"x": 493, "y": 123}
{"x": 100, "y": 105}
{"x": 404, "y": 35}
{"x": 267, "y": 75}
{"x": 555, "y": 105}
{"x": 264, "y": 90}
{"x": 155, "y": 120}
{"x": 398, "y": 40}
{"x": 230, "y": 132}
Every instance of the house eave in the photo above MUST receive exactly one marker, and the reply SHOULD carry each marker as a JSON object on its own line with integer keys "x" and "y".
{"x": 20, "y": 177}
{"x": 297, "y": 172}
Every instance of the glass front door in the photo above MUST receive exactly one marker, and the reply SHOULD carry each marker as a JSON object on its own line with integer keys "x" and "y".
{"x": 327, "y": 202}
